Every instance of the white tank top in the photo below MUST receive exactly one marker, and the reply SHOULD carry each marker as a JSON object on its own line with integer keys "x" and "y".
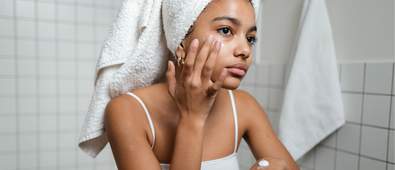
{"x": 229, "y": 162}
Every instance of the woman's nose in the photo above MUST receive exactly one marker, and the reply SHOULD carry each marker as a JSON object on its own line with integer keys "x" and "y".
{"x": 242, "y": 49}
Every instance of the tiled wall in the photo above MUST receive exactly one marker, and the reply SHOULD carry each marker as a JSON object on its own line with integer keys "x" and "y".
{"x": 48, "y": 51}
{"x": 366, "y": 141}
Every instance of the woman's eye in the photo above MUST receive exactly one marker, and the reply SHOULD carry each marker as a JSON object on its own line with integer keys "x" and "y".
{"x": 251, "y": 40}
{"x": 224, "y": 31}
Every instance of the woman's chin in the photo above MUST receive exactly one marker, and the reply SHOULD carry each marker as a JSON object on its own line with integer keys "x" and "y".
{"x": 231, "y": 83}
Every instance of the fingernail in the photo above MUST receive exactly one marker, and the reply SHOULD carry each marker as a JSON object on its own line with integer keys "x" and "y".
{"x": 263, "y": 163}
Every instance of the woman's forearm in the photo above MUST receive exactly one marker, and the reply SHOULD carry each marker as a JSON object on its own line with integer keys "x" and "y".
{"x": 188, "y": 147}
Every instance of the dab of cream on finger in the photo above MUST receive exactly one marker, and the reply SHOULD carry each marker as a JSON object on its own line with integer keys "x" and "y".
{"x": 263, "y": 163}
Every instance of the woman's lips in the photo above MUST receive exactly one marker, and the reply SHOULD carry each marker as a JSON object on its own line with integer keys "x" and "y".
{"x": 236, "y": 71}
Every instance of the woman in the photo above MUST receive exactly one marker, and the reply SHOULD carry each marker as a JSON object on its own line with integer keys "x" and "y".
{"x": 196, "y": 117}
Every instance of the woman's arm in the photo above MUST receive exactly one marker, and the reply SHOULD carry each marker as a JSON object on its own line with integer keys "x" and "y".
{"x": 260, "y": 136}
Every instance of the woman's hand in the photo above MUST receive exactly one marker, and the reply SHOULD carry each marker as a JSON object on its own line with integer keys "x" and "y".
{"x": 269, "y": 163}
{"x": 193, "y": 90}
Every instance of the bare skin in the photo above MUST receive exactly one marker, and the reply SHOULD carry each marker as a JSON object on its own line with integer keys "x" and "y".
{"x": 191, "y": 109}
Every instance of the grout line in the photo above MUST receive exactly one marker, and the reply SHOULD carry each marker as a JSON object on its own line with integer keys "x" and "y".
{"x": 38, "y": 78}
{"x": 368, "y": 125}
{"x": 57, "y": 82}
{"x": 390, "y": 118}
{"x": 16, "y": 85}
{"x": 76, "y": 51}
{"x": 362, "y": 113}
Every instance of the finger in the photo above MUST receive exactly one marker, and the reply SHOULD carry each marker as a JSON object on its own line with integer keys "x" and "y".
{"x": 171, "y": 79}
{"x": 190, "y": 59}
{"x": 202, "y": 56}
{"x": 212, "y": 90}
{"x": 210, "y": 63}
{"x": 180, "y": 53}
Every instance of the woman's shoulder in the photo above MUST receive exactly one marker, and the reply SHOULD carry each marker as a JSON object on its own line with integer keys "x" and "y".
{"x": 247, "y": 105}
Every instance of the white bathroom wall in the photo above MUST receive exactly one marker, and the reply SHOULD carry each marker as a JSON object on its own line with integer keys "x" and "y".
{"x": 363, "y": 30}
{"x": 48, "y": 51}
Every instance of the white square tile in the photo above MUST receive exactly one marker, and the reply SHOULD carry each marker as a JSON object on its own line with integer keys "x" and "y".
{"x": 27, "y": 105}
{"x": 378, "y": 78}
{"x": 46, "y": 10}
{"x": 27, "y": 67}
{"x": 8, "y": 143}
{"x": 348, "y": 138}
{"x": 67, "y": 158}
{"x": 376, "y": 110}
{"x": 86, "y": 51}
{"x": 47, "y": 68}
{"x": 25, "y": 9}
{"x": 250, "y": 77}
{"x": 85, "y": 33}
{"x": 47, "y": 106}
{"x": 8, "y": 160}
{"x": 7, "y": 47}
{"x": 26, "y": 49}
{"x": 26, "y": 29}
{"x": 67, "y": 69}
{"x": 68, "y": 122}
{"x": 276, "y": 75}
{"x": 28, "y": 142}
{"x": 352, "y": 107}
{"x": 29, "y": 159}
{"x": 27, "y": 86}
{"x": 325, "y": 158}
{"x": 8, "y": 124}
{"x": 85, "y": 70}
{"x": 86, "y": 87}
{"x": 7, "y": 87}
{"x": 7, "y": 7}
{"x": 104, "y": 16}
{"x": 374, "y": 142}
{"x": 67, "y": 51}
{"x": 84, "y": 14}
{"x": 369, "y": 164}
{"x": 102, "y": 32}
{"x": 48, "y": 123}
{"x": 7, "y": 27}
{"x": 67, "y": 87}
{"x": 47, "y": 87}
{"x": 346, "y": 161}
{"x": 67, "y": 105}
{"x": 66, "y": 31}
{"x": 46, "y": 49}
{"x": 67, "y": 141}
{"x": 7, "y": 105}
{"x": 7, "y": 67}
{"x": 28, "y": 123}
{"x": 66, "y": 12}
{"x": 352, "y": 77}
{"x": 276, "y": 98}
{"x": 46, "y": 30}
{"x": 391, "y": 167}
{"x": 48, "y": 159}
{"x": 391, "y": 147}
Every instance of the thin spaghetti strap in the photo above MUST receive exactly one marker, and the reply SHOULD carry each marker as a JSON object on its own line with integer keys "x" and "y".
{"x": 151, "y": 124}
{"x": 232, "y": 100}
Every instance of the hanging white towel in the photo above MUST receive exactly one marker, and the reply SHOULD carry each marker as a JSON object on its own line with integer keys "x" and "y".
{"x": 312, "y": 108}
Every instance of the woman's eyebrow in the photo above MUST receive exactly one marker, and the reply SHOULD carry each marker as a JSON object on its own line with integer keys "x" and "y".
{"x": 234, "y": 21}
{"x": 231, "y": 19}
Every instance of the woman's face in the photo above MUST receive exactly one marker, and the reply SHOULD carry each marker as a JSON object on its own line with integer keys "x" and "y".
{"x": 233, "y": 23}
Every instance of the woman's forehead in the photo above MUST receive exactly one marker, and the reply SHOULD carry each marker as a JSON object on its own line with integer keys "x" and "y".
{"x": 239, "y": 9}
